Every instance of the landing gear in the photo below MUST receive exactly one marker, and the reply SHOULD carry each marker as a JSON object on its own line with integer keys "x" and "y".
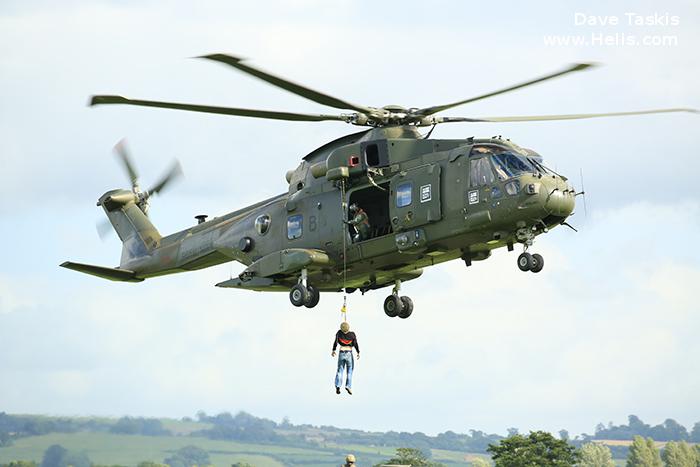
{"x": 525, "y": 261}
{"x": 314, "y": 296}
{"x": 407, "y": 307}
{"x": 303, "y": 294}
{"x": 539, "y": 263}
{"x": 299, "y": 295}
{"x": 528, "y": 262}
{"x": 395, "y": 305}
{"x": 392, "y": 306}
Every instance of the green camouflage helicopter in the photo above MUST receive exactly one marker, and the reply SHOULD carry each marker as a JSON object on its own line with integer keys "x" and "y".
{"x": 420, "y": 202}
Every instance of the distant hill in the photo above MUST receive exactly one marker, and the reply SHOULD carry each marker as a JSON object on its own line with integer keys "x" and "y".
{"x": 244, "y": 438}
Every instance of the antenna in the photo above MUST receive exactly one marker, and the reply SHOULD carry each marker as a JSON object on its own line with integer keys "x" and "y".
{"x": 583, "y": 192}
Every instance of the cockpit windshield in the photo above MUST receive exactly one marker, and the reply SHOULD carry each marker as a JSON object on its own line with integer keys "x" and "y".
{"x": 509, "y": 165}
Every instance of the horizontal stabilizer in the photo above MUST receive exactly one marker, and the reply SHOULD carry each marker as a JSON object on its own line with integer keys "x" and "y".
{"x": 113, "y": 274}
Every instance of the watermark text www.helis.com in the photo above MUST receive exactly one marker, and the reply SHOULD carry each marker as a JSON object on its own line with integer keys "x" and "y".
{"x": 625, "y": 30}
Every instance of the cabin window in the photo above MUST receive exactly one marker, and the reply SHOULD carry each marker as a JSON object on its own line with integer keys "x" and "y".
{"x": 294, "y": 226}
{"x": 262, "y": 224}
{"x": 480, "y": 172}
{"x": 403, "y": 194}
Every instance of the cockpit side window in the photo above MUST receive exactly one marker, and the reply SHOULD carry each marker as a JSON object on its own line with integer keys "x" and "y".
{"x": 480, "y": 172}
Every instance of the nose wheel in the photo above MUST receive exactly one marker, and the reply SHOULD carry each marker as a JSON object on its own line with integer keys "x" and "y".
{"x": 526, "y": 261}
{"x": 395, "y": 305}
{"x": 532, "y": 263}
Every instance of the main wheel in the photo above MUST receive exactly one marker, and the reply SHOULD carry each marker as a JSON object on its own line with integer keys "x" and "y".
{"x": 538, "y": 261}
{"x": 525, "y": 262}
{"x": 298, "y": 295}
{"x": 392, "y": 305}
{"x": 314, "y": 297}
{"x": 407, "y": 307}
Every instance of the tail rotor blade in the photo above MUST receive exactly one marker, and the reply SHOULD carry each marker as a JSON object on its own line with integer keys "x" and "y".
{"x": 104, "y": 229}
{"x": 174, "y": 173}
{"x": 123, "y": 154}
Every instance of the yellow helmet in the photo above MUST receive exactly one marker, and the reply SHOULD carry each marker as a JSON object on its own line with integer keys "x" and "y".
{"x": 344, "y": 326}
{"x": 350, "y": 459}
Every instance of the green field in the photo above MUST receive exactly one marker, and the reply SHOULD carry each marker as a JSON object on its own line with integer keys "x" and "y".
{"x": 306, "y": 446}
{"x": 128, "y": 450}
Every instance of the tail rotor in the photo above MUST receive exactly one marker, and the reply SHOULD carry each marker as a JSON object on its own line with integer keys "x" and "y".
{"x": 141, "y": 197}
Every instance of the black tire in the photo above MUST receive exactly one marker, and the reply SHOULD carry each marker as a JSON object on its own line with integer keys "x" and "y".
{"x": 298, "y": 295}
{"x": 407, "y": 307}
{"x": 525, "y": 262}
{"x": 314, "y": 297}
{"x": 393, "y": 306}
{"x": 538, "y": 262}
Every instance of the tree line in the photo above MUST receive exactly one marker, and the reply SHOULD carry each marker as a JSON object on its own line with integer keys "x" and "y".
{"x": 669, "y": 430}
{"x": 19, "y": 426}
{"x": 541, "y": 449}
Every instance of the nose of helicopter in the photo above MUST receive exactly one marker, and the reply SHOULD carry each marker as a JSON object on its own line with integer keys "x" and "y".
{"x": 560, "y": 199}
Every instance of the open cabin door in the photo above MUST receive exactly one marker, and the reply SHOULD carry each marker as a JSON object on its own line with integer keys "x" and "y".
{"x": 415, "y": 197}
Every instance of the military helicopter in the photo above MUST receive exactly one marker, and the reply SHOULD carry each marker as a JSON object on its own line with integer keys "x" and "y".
{"x": 425, "y": 201}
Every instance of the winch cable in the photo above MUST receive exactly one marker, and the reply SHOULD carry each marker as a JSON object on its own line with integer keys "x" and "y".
{"x": 343, "y": 204}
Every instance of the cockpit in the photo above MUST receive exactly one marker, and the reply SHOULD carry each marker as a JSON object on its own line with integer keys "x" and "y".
{"x": 507, "y": 163}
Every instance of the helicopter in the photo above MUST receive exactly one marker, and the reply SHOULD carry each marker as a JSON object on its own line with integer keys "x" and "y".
{"x": 424, "y": 201}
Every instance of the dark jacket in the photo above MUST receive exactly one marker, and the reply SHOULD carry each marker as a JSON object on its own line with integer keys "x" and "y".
{"x": 345, "y": 339}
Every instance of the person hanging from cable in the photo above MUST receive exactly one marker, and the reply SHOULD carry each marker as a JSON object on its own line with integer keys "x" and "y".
{"x": 360, "y": 221}
{"x": 347, "y": 340}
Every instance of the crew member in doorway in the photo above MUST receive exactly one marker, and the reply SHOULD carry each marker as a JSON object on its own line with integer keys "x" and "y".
{"x": 360, "y": 221}
{"x": 346, "y": 340}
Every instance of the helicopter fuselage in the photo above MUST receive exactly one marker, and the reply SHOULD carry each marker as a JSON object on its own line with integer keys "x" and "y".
{"x": 428, "y": 201}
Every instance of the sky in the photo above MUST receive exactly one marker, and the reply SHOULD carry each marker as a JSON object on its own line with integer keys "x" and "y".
{"x": 608, "y": 329}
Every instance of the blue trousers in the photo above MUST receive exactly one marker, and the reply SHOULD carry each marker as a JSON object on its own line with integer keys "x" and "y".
{"x": 345, "y": 361}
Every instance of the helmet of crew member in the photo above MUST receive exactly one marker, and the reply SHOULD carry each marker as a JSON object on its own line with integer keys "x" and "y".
{"x": 344, "y": 326}
{"x": 354, "y": 207}
{"x": 350, "y": 459}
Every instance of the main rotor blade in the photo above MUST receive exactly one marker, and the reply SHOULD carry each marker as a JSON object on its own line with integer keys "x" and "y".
{"x": 99, "y": 100}
{"x": 123, "y": 153}
{"x": 297, "y": 89}
{"x": 439, "y": 108}
{"x": 540, "y": 118}
{"x": 174, "y": 173}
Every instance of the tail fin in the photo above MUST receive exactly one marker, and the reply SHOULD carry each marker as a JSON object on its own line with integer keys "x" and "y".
{"x": 135, "y": 230}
